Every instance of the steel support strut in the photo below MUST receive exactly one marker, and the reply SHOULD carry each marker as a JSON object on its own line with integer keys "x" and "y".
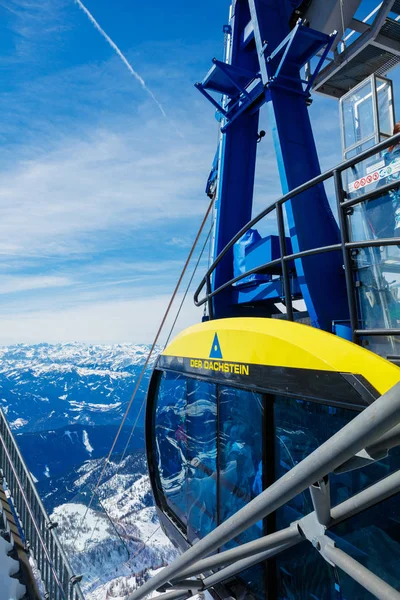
{"x": 363, "y": 431}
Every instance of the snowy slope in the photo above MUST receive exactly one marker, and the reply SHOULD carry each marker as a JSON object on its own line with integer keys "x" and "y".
{"x": 65, "y": 403}
{"x": 120, "y": 541}
{"x": 46, "y": 386}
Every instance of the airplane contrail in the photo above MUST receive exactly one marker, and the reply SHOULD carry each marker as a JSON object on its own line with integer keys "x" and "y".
{"x": 120, "y": 54}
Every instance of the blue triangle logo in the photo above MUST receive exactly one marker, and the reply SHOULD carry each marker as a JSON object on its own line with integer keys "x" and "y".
{"x": 215, "y": 348}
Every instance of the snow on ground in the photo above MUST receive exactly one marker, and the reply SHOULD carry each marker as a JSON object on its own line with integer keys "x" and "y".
{"x": 69, "y": 433}
{"x": 10, "y": 586}
{"x": 91, "y": 407}
{"x": 86, "y": 442}
{"x": 94, "y": 529}
{"x": 121, "y": 539}
{"x": 18, "y": 423}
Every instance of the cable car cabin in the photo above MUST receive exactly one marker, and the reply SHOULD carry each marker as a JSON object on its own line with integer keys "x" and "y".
{"x": 236, "y": 403}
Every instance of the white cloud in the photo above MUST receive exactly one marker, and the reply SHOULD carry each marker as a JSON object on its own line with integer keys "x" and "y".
{"x": 63, "y": 202}
{"x": 135, "y": 320}
{"x": 10, "y": 285}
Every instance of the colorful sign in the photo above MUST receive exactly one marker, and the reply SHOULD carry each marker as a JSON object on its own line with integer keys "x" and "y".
{"x": 376, "y": 176}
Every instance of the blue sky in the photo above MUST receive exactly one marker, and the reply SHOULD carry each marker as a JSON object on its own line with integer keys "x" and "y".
{"x": 100, "y": 193}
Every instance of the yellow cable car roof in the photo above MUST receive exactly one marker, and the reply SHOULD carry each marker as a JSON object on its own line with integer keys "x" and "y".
{"x": 277, "y": 342}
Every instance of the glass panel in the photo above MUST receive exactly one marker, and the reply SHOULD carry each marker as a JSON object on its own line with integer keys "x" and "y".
{"x": 240, "y": 452}
{"x": 186, "y": 450}
{"x": 358, "y": 115}
{"x": 379, "y": 217}
{"x": 373, "y": 536}
{"x": 241, "y": 422}
{"x": 385, "y": 106}
{"x": 201, "y": 426}
{"x": 378, "y": 269}
{"x": 300, "y": 428}
{"x": 171, "y": 441}
{"x": 362, "y": 176}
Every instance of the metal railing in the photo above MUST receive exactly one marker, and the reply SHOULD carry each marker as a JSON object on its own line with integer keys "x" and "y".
{"x": 370, "y": 435}
{"x": 345, "y": 245}
{"x": 39, "y": 533}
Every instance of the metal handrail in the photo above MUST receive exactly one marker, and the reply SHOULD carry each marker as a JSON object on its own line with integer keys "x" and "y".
{"x": 344, "y": 245}
{"x": 39, "y": 531}
{"x": 376, "y": 426}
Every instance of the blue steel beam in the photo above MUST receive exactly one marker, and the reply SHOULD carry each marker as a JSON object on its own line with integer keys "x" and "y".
{"x": 311, "y": 223}
{"x": 238, "y": 148}
{"x": 310, "y": 219}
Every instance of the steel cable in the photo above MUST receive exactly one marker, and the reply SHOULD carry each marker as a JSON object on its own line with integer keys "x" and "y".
{"x": 144, "y": 400}
{"x": 146, "y": 363}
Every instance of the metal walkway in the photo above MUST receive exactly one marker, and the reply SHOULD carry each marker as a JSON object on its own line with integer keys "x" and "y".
{"x": 368, "y": 437}
{"x": 28, "y": 527}
{"x": 377, "y": 50}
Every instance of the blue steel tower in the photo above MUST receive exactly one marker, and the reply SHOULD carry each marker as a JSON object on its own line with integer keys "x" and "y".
{"x": 264, "y": 64}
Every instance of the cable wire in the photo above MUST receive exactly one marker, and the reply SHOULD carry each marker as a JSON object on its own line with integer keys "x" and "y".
{"x": 142, "y": 372}
{"x": 144, "y": 400}
{"x": 342, "y": 15}
{"x": 166, "y": 343}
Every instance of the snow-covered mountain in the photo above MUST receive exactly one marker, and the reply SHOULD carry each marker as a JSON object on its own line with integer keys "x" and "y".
{"x": 119, "y": 543}
{"x": 44, "y": 387}
{"x": 51, "y": 455}
{"x": 65, "y": 403}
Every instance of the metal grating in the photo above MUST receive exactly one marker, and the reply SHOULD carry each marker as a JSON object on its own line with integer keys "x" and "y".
{"x": 391, "y": 29}
{"x": 379, "y": 54}
{"x": 396, "y": 7}
{"x": 368, "y": 61}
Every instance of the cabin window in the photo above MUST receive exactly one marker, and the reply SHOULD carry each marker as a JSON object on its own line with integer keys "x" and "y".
{"x": 240, "y": 434}
{"x": 171, "y": 441}
{"x": 216, "y": 447}
{"x": 240, "y": 461}
{"x": 300, "y": 428}
{"x": 201, "y": 420}
{"x": 186, "y": 450}
{"x": 373, "y": 536}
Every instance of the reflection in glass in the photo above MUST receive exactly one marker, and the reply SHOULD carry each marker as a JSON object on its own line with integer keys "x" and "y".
{"x": 171, "y": 441}
{"x": 201, "y": 419}
{"x": 241, "y": 418}
{"x": 240, "y": 449}
{"x": 378, "y": 268}
{"x": 367, "y": 116}
{"x": 300, "y": 428}
{"x": 372, "y": 538}
{"x": 385, "y": 106}
{"x": 186, "y": 450}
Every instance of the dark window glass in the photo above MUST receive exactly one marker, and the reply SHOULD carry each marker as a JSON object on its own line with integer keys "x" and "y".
{"x": 171, "y": 442}
{"x": 300, "y": 428}
{"x": 372, "y": 538}
{"x": 186, "y": 450}
{"x": 241, "y": 425}
{"x": 201, "y": 427}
